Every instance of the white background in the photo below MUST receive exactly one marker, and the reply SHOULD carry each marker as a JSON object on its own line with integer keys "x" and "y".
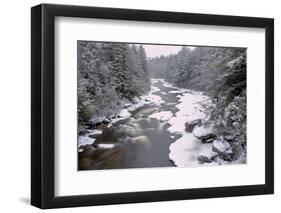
{"x": 15, "y": 105}
{"x": 69, "y": 30}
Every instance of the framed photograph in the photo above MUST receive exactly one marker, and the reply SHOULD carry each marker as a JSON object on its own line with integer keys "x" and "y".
{"x": 139, "y": 106}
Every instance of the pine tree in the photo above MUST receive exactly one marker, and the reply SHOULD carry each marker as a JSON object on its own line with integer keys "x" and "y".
{"x": 107, "y": 74}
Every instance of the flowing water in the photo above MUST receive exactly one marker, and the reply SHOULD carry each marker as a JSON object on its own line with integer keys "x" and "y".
{"x": 141, "y": 140}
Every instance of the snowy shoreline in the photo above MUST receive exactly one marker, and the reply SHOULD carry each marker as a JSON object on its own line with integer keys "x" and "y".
{"x": 125, "y": 112}
{"x": 185, "y": 150}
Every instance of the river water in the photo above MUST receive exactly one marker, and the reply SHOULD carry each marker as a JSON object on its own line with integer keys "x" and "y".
{"x": 152, "y": 136}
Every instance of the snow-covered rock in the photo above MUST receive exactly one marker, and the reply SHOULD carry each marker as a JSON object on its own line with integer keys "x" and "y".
{"x": 162, "y": 116}
{"x": 135, "y": 100}
{"x": 156, "y": 99}
{"x": 189, "y": 126}
{"x": 124, "y": 113}
{"x": 229, "y": 138}
{"x": 189, "y": 109}
{"x": 94, "y": 133}
{"x": 236, "y": 125}
{"x": 204, "y": 132}
{"x": 220, "y": 146}
{"x": 127, "y": 105}
{"x": 95, "y": 120}
{"x": 142, "y": 141}
{"x": 84, "y": 140}
{"x": 204, "y": 159}
{"x": 105, "y": 146}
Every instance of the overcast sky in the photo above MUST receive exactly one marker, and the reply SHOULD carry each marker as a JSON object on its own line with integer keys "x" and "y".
{"x": 158, "y": 50}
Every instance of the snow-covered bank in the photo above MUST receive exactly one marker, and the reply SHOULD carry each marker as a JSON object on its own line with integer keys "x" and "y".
{"x": 85, "y": 140}
{"x": 125, "y": 112}
{"x": 162, "y": 116}
{"x": 185, "y": 151}
{"x": 164, "y": 83}
{"x": 189, "y": 109}
{"x": 150, "y": 98}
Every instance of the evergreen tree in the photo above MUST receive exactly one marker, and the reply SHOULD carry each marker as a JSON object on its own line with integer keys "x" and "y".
{"x": 108, "y": 74}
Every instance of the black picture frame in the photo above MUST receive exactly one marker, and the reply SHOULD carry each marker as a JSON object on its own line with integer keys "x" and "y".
{"x": 43, "y": 102}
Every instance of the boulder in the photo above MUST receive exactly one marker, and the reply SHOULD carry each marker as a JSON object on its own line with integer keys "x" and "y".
{"x": 82, "y": 130}
{"x": 135, "y": 100}
{"x": 204, "y": 133}
{"x": 127, "y": 130}
{"x": 189, "y": 126}
{"x": 142, "y": 141}
{"x": 127, "y": 105}
{"x": 124, "y": 113}
{"x": 106, "y": 121}
{"x": 220, "y": 146}
{"x": 236, "y": 125}
{"x": 209, "y": 140}
{"x": 95, "y": 121}
{"x": 236, "y": 117}
{"x": 203, "y": 159}
{"x": 229, "y": 138}
{"x": 94, "y": 133}
{"x": 224, "y": 149}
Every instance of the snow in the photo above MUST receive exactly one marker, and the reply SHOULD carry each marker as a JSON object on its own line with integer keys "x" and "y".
{"x": 234, "y": 61}
{"x": 180, "y": 90}
{"x": 124, "y": 113}
{"x": 220, "y": 146}
{"x": 162, "y": 116}
{"x": 185, "y": 151}
{"x": 105, "y": 146}
{"x": 95, "y": 132}
{"x": 155, "y": 80}
{"x": 189, "y": 109}
{"x": 155, "y": 99}
{"x": 202, "y": 131}
{"x": 137, "y": 103}
{"x": 95, "y": 119}
{"x": 166, "y": 84}
{"x": 154, "y": 89}
{"x": 84, "y": 140}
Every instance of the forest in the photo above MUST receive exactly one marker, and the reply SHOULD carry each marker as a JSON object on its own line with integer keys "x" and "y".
{"x": 136, "y": 111}
{"x": 109, "y": 74}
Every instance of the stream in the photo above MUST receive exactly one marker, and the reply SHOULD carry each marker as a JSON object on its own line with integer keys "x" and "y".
{"x": 151, "y": 135}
